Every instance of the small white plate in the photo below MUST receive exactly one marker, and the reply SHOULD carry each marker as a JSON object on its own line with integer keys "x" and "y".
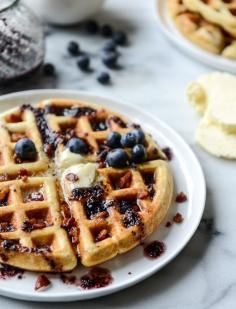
{"x": 133, "y": 266}
{"x": 170, "y": 30}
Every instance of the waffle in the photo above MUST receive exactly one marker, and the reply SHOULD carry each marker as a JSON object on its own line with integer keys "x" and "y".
{"x": 44, "y": 224}
{"x": 218, "y": 12}
{"x": 201, "y": 32}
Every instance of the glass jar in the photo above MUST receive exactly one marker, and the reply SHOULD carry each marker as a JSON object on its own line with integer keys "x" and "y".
{"x": 21, "y": 41}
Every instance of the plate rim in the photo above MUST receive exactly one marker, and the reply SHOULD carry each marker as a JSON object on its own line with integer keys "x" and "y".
{"x": 73, "y": 296}
{"x": 193, "y": 51}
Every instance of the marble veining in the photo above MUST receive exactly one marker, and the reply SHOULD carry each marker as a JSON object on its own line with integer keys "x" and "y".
{"x": 154, "y": 75}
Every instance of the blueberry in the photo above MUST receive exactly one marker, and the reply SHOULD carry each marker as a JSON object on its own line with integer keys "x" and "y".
{"x": 117, "y": 158}
{"x": 83, "y": 62}
{"x": 129, "y": 140}
{"x": 25, "y": 149}
{"x": 77, "y": 145}
{"x": 49, "y": 69}
{"x": 110, "y": 59}
{"x": 91, "y": 26}
{"x": 106, "y": 31}
{"x": 140, "y": 136}
{"x": 120, "y": 38}
{"x": 73, "y": 48}
{"x": 113, "y": 140}
{"x": 138, "y": 153}
{"x": 110, "y": 46}
{"x": 104, "y": 78}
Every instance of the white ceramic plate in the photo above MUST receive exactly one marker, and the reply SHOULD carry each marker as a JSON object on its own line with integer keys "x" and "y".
{"x": 169, "y": 29}
{"x": 188, "y": 178}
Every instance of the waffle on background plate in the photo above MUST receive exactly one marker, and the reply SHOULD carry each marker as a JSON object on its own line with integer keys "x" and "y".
{"x": 47, "y": 217}
{"x": 210, "y": 24}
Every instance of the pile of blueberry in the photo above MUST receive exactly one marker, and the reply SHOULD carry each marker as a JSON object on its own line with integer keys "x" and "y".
{"x": 117, "y": 156}
{"x": 109, "y": 55}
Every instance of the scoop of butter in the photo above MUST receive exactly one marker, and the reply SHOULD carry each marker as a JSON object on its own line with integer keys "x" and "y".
{"x": 214, "y": 97}
{"x": 79, "y": 176}
{"x": 67, "y": 158}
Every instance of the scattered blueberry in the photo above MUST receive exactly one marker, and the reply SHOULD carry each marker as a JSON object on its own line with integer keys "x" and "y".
{"x": 25, "y": 149}
{"x": 138, "y": 153}
{"x": 77, "y": 145}
{"x": 117, "y": 158}
{"x": 73, "y": 48}
{"x": 129, "y": 140}
{"x": 91, "y": 26}
{"x": 106, "y": 31}
{"x": 139, "y": 135}
{"x": 120, "y": 38}
{"x": 113, "y": 140}
{"x": 83, "y": 62}
{"x": 49, "y": 69}
{"x": 110, "y": 46}
{"x": 104, "y": 78}
{"x": 110, "y": 59}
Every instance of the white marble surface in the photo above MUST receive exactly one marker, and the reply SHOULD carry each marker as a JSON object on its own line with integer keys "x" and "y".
{"x": 154, "y": 77}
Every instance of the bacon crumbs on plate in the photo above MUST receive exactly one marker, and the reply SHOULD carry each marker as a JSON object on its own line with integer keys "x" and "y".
{"x": 42, "y": 283}
{"x": 181, "y": 197}
{"x": 178, "y": 218}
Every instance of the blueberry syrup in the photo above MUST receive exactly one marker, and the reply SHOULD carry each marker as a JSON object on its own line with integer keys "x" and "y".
{"x": 154, "y": 249}
{"x": 96, "y": 278}
{"x": 7, "y": 272}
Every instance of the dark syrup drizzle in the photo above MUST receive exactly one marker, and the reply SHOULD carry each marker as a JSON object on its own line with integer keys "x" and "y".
{"x": 154, "y": 249}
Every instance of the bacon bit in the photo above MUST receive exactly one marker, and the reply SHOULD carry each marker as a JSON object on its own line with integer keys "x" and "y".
{"x": 103, "y": 234}
{"x": 68, "y": 279}
{"x": 48, "y": 148}
{"x": 125, "y": 180}
{"x": 168, "y": 152}
{"x": 23, "y": 174}
{"x": 102, "y": 215}
{"x": 181, "y": 197}
{"x": 42, "y": 283}
{"x": 15, "y": 137}
{"x": 168, "y": 224}
{"x": 13, "y": 118}
{"x": 72, "y": 177}
{"x": 178, "y": 218}
{"x": 142, "y": 194}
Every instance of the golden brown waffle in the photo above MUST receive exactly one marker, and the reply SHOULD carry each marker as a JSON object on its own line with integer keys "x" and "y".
{"x": 202, "y": 32}
{"x": 218, "y": 12}
{"x": 44, "y": 226}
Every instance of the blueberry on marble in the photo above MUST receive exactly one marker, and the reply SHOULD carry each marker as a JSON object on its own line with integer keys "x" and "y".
{"x": 113, "y": 140}
{"x": 140, "y": 136}
{"x": 25, "y": 149}
{"x": 106, "y": 31}
{"x": 73, "y": 48}
{"x": 104, "y": 78}
{"x": 91, "y": 26}
{"x": 83, "y": 62}
{"x": 138, "y": 154}
{"x": 49, "y": 69}
{"x": 110, "y": 59}
{"x": 77, "y": 145}
{"x": 117, "y": 158}
{"x": 129, "y": 140}
{"x": 110, "y": 46}
{"x": 120, "y": 38}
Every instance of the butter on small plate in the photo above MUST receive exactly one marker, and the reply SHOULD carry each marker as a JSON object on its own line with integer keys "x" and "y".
{"x": 214, "y": 98}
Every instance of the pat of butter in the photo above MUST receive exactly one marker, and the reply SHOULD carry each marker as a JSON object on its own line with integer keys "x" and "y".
{"x": 215, "y": 140}
{"x": 215, "y": 94}
{"x": 67, "y": 158}
{"x": 85, "y": 176}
